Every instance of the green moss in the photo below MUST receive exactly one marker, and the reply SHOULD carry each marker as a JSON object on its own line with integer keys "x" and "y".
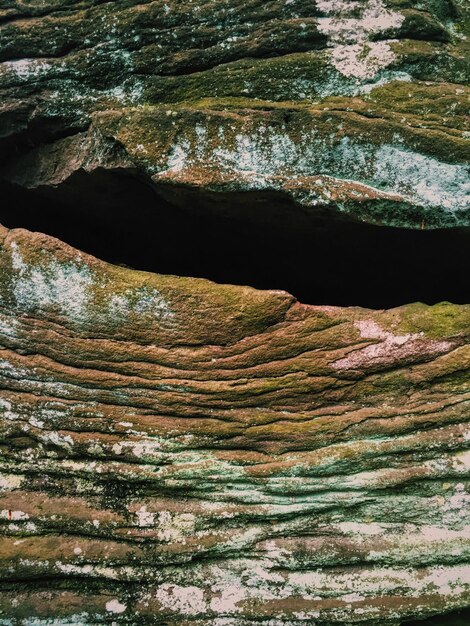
{"x": 439, "y": 321}
{"x": 423, "y": 25}
{"x": 426, "y": 61}
{"x": 430, "y": 105}
{"x": 300, "y": 76}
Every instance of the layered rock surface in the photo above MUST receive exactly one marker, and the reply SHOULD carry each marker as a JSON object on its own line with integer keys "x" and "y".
{"x": 356, "y": 108}
{"x": 176, "y": 451}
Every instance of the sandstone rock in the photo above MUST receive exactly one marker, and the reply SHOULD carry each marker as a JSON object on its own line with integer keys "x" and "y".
{"x": 177, "y": 451}
{"x": 351, "y": 107}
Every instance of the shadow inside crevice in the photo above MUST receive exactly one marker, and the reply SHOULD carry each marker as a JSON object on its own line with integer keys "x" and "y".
{"x": 455, "y": 618}
{"x": 261, "y": 239}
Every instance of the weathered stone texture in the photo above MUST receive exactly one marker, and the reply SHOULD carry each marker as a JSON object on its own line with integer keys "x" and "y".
{"x": 175, "y": 451}
{"x": 357, "y": 107}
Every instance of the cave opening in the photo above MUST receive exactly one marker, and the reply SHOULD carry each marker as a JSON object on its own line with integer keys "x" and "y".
{"x": 260, "y": 239}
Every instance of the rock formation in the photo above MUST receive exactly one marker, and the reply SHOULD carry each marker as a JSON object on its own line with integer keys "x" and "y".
{"x": 180, "y": 451}
{"x": 199, "y": 452}
{"x": 358, "y": 107}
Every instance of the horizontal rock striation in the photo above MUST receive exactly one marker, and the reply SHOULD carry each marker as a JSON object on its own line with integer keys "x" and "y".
{"x": 180, "y": 452}
{"x": 354, "y": 108}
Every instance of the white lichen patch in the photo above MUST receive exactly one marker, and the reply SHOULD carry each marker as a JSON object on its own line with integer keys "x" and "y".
{"x": 359, "y": 528}
{"x": 128, "y": 94}
{"x": 57, "y": 439}
{"x": 149, "y": 449}
{"x": 6, "y": 409}
{"x": 185, "y": 600}
{"x": 64, "y": 287}
{"x": 362, "y": 61}
{"x": 397, "y": 542}
{"x": 12, "y": 371}
{"x": 350, "y": 26}
{"x": 114, "y": 606}
{"x": 77, "y": 619}
{"x": 177, "y": 160}
{"x": 169, "y": 527}
{"x": 422, "y": 178}
{"x": 266, "y": 156}
{"x": 8, "y": 326}
{"x": 145, "y": 519}
{"x": 449, "y": 581}
{"x": 143, "y": 301}
{"x": 227, "y": 598}
{"x": 456, "y": 508}
{"x": 26, "y": 69}
{"x": 10, "y": 482}
{"x": 388, "y": 346}
{"x": 229, "y": 588}
{"x": 442, "y": 580}
{"x": 13, "y": 515}
{"x": 70, "y": 288}
{"x": 369, "y": 329}
{"x": 461, "y": 462}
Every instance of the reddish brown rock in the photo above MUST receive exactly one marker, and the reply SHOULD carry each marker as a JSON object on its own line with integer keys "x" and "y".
{"x": 175, "y": 451}
{"x": 178, "y": 451}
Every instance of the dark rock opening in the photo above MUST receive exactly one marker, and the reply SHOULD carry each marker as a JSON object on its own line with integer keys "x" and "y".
{"x": 259, "y": 239}
{"x": 454, "y": 618}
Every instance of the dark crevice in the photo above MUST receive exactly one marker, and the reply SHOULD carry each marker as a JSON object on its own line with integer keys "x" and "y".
{"x": 40, "y": 131}
{"x": 453, "y": 618}
{"x": 262, "y": 239}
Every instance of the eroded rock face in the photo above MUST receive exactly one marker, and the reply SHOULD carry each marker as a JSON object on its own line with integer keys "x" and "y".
{"x": 355, "y": 107}
{"x": 175, "y": 451}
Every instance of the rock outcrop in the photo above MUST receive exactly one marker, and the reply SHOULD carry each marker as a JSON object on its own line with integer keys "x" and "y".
{"x": 178, "y": 451}
{"x": 357, "y": 108}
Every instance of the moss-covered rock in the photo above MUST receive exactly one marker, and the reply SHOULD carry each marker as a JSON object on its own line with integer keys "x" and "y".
{"x": 64, "y": 65}
{"x": 176, "y": 451}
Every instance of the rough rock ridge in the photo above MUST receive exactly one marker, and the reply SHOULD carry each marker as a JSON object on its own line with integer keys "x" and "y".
{"x": 358, "y": 107}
